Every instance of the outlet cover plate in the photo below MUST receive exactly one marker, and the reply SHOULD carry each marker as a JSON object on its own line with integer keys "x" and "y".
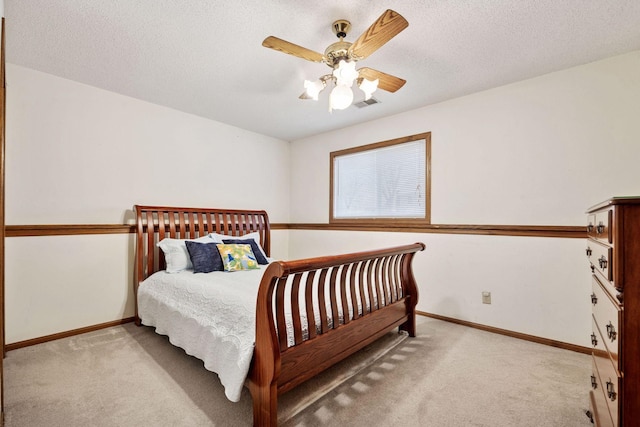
{"x": 486, "y": 297}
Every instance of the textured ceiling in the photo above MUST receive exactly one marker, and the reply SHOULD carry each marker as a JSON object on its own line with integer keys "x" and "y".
{"x": 205, "y": 57}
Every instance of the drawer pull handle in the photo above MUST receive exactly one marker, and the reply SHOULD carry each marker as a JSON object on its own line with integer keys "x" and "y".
{"x": 611, "y": 391}
{"x": 594, "y": 382}
{"x": 603, "y": 262}
{"x": 593, "y": 268}
{"x": 589, "y": 228}
{"x": 611, "y": 332}
{"x": 594, "y": 299}
{"x": 594, "y": 340}
{"x": 589, "y": 415}
{"x": 600, "y": 228}
{"x": 589, "y": 252}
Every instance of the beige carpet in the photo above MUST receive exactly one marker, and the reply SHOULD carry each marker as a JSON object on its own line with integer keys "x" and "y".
{"x": 449, "y": 375}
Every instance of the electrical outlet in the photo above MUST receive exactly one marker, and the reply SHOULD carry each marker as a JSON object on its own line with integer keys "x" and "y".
{"x": 486, "y": 297}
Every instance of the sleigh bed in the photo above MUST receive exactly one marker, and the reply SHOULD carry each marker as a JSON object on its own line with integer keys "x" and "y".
{"x": 304, "y": 316}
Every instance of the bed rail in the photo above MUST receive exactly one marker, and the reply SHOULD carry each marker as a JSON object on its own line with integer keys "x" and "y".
{"x": 302, "y": 305}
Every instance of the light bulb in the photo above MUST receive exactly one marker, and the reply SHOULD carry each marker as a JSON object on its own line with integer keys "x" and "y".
{"x": 341, "y": 97}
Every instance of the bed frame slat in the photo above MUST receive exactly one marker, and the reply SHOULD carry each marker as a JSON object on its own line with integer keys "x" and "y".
{"x": 240, "y": 224}
{"x": 295, "y": 309}
{"x": 233, "y": 225}
{"x": 162, "y": 231}
{"x": 362, "y": 288}
{"x": 150, "y": 242}
{"x": 393, "y": 279}
{"x": 378, "y": 273}
{"x": 189, "y": 226}
{"x": 389, "y": 279}
{"x": 322, "y": 301}
{"x": 172, "y": 224}
{"x": 280, "y": 312}
{"x": 335, "y": 315}
{"x": 224, "y": 223}
{"x": 251, "y": 221}
{"x": 373, "y": 283}
{"x": 309, "y": 303}
{"x": 210, "y": 225}
{"x": 370, "y": 285}
{"x": 182, "y": 229}
{"x": 385, "y": 283}
{"x": 346, "y": 317}
{"x": 353, "y": 287}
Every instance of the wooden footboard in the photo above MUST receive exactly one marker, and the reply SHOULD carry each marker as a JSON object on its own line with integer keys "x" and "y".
{"x": 312, "y": 313}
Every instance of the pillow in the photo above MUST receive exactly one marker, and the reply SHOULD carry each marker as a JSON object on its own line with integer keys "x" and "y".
{"x": 176, "y": 255}
{"x": 255, "y": 236}
{"x": 255, "y": 247}
{"x": 237, "y": 257}
{"x": 204, "y": 257}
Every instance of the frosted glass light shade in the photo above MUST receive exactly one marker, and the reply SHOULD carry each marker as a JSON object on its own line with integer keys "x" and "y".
{"x": 341, "y": 97}
{"x": 368, "y": 87}
{"x": 314, "y": 88}
{"x": 346, "y": 73}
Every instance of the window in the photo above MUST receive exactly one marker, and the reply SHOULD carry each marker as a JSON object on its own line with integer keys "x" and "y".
{"x": 387, "y": 181}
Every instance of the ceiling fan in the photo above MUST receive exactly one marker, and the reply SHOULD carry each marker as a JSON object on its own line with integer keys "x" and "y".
{"x": 342, "y": 57}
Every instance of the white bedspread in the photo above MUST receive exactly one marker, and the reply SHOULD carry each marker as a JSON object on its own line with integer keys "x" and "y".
{"x": 210, "y": 315}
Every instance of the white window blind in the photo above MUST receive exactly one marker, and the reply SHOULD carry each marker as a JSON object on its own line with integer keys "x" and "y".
{"x": 386, "y": 182}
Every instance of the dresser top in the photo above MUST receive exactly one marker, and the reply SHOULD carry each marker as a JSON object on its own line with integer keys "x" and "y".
{"x": 625, "y": 200}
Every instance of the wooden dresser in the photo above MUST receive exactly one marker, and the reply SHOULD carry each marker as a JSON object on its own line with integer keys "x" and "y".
{"x": 613, "y": 250}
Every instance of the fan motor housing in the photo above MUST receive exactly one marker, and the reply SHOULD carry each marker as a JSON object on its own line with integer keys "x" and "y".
{"x": 336, "y": 52}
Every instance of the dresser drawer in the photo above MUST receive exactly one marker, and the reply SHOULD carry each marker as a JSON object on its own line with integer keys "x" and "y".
{"x": 597, "y": 342}
{"x": 601, "y": 259}
{"x": 609, "y": 382}
{"x": 598, "y": 401}
{"x": 607, "y": 316}
{"x": 599, "y": 226}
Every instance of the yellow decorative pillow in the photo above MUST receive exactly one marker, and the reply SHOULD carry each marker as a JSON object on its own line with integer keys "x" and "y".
{"x": 237, "y": 257}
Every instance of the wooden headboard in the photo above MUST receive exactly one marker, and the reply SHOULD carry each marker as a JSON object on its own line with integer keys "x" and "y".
{"x": 155, "y": 223}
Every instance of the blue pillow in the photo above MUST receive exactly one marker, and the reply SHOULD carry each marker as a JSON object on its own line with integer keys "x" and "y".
{"x": 254, "y": 247}
{"x": 204, "y": 257}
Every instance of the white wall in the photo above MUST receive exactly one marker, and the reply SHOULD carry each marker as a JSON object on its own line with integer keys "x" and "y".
{"x": 535, "y": 152}
{"x": 534, "y": 282}
{"x": 76, "y": 154}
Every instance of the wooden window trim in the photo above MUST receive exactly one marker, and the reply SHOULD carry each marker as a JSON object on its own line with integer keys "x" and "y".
{"x": 381, "y": 221}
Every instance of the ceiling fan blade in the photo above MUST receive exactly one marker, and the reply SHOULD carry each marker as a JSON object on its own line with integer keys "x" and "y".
{"x": 386, "y": 27}
{"x": 385, "y": 81}
{"x": 292, "y": 49}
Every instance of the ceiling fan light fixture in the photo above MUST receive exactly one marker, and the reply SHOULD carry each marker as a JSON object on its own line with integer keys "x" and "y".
{"x": 313, "y": 88}
{"x": 368, "y": 87}
{"x": 342, "y": 56}
{"x": 340, "y": 98}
